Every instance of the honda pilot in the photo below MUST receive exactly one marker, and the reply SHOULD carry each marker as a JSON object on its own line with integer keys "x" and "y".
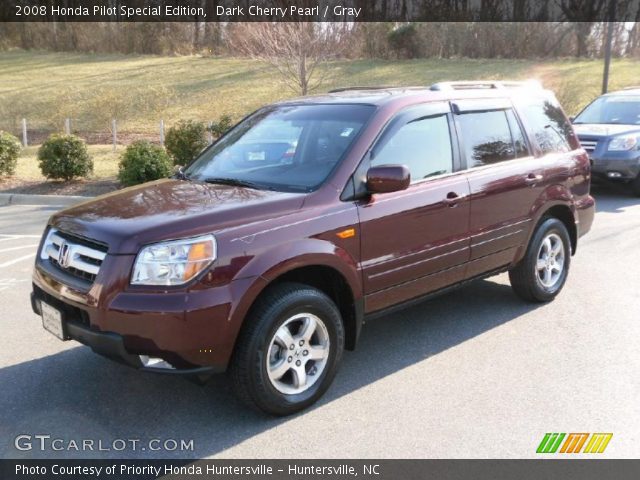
{"x": 609, "y": 130}
{"x": 263, "y": 257}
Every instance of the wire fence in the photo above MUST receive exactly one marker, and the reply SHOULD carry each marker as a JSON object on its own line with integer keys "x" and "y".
{"x": 33, "y": 132}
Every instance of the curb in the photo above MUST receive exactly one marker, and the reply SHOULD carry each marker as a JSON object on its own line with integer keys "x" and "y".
{"x": 28, "y": 199}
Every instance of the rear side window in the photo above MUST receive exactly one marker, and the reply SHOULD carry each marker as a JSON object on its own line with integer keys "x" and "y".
{"x": 551, "y": 130}
{"x": 488, "y": 138}
{"x": 423, "y": 145}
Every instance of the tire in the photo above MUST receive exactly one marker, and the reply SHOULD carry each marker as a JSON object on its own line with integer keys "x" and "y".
{"x": 260, "y": 357}
{"x": 635, "y": 186}
{"x": 540, "y": 276}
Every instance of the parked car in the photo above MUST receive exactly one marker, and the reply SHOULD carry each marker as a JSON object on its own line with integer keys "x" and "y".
{"x": 264, "y": 264}
{"x": 609, "y": 130}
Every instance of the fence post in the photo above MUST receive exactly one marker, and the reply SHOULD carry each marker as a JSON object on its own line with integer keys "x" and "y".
{"x": 209, "y": 134}
{"x": 25, "y": 143}
{"x": 67, "y": 126}
{"x": 161, "y": 132}
{"x": 115, "y": 133}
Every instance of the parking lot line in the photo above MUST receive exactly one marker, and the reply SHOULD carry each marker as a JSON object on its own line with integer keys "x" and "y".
{"x": 16, "y": 260}
{"x": 7, "y": 236}
{"x": 18, "y": 248}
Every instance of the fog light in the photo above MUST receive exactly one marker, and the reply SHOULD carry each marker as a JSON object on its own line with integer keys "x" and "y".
{"x": 155, "y": 362}
{"x": 614, "y": 174}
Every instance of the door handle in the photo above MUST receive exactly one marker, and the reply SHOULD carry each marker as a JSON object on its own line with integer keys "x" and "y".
{"x": 452, "y": 199}
{"x": 533, "y": 178}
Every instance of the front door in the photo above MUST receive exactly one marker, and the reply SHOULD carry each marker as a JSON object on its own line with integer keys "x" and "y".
{"x": 415, "y": 241}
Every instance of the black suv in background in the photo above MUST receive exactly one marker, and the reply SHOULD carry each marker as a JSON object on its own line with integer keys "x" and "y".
{"x": 609, "y": 130}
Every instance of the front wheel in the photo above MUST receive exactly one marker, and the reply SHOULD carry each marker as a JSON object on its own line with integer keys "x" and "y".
{"x": 289, "y": 351}
{"x": 635, "y": 186}
{"x": 543, "y": 271}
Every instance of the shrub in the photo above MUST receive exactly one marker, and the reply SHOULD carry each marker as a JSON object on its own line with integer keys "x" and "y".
{"x": 142, "y": 162}
{"x": 64, "y": 157}
{"x": 186, "y": 140}
{"x": 9, "y": 150}
{"x": 220, "y": 127}
{"x": 404, "y": 41}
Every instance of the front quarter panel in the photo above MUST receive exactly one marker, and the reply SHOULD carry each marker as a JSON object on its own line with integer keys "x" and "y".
{"x": 280, "y": 248}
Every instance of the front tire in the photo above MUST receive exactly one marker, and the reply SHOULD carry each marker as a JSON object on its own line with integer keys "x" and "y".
{"x": 635, "y": 186}
{"x": 543, "y": 271}
{"x": 289, "y": 350}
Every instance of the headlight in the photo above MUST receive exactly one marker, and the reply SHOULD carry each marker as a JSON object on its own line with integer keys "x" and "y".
{"x": 623, "y": 143}
{"x": 175, "y": 262}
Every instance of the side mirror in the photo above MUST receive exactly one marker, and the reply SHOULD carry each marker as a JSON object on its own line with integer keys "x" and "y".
{"x": 572, "y": 118}
{"x": 388, "y": 178}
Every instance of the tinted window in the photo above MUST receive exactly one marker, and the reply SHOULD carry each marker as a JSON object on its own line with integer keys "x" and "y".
{"x": 286, "y": 147}
{"x": 486, "y": 137}
{"x": 423, "y": 145}
{"x": 550, "y": 128}
{"x": 624, "y": 109}
{"x": 519, "y": 143}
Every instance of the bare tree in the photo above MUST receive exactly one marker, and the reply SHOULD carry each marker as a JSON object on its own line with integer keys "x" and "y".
{"x": 299, "y": 51}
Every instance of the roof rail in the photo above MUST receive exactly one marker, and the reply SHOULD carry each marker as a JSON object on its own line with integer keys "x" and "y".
{"x": 346, "y": 89}
{"x": 485, "y": 84}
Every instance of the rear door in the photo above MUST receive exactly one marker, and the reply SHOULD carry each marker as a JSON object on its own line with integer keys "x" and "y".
{"x": 415, "y": 241}
{"x": 505, "y": 180}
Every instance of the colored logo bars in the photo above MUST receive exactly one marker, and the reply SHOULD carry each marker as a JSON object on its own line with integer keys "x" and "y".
{"x": 573, "y": 442}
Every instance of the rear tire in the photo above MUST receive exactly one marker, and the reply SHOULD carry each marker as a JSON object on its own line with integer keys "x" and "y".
{"x": 543, "y": 271}
{"x": 289, "y": 350}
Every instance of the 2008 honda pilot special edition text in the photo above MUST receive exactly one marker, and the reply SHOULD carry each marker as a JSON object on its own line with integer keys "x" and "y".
{"x": 265, "y": 254}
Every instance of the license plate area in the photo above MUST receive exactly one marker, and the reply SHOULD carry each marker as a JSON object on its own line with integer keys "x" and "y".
{"x": 52, "y": 320}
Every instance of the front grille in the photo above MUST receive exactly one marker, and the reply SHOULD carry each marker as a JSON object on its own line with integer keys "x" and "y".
{"x": 589, "y": 145}
{"x": 74, "y": 255}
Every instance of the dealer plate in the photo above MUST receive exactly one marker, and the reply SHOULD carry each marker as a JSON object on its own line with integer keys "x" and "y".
{"x": 52, "y": 320}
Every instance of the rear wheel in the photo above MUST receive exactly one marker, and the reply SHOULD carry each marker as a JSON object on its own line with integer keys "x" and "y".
{"x": 288, "y": 353}
{"x": 543, "y": 271}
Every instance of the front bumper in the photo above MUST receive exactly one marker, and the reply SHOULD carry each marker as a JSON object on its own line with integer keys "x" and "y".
{"x": 111, "y": 345}
{"x": 622, "y": 166}
{"x": 189, "y": 330}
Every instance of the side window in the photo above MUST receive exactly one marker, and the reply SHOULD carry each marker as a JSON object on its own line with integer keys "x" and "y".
{"x": 423, "y": 145}
{"x": 486, "y": 137}
{"x": 551, "y": 129}
{"x": 519, "y": 143}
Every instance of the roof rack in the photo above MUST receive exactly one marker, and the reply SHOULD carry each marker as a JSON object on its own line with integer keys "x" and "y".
{"x": 485, "y": 84}
{"x": 346, "y": 89}
{"x": 383, "y": 87}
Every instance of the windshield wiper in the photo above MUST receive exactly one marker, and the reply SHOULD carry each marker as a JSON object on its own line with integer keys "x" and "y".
{"x": 234, "y": 182}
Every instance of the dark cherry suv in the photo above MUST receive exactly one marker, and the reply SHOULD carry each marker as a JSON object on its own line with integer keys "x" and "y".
{"x": 266, "y": 253}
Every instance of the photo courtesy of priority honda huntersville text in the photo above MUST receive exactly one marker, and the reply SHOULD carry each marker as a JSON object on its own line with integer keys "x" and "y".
{"x": 264, "y": 255}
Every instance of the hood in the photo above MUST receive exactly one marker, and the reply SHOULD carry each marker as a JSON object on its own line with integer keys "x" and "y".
{"x": 169, "y": 209}
{"x": 601, "y": 130}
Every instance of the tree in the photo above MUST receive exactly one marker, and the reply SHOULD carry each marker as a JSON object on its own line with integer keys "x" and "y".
{"x": 297, "y": 50}
{"x": 583, "y": 13}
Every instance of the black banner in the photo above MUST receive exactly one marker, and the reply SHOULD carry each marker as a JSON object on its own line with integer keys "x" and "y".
{"x": 319, "y": 10}
{"x": 326, "y": 469}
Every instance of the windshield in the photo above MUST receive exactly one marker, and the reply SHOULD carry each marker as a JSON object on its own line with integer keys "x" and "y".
{"x": 622, "y": 109}
{"x": 285, "y": 148}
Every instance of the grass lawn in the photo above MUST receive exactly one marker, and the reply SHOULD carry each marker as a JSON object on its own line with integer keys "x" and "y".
{"x": 91, "y": 89}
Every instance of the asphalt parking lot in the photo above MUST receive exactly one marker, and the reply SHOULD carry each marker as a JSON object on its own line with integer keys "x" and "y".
{"x": 473, "y": 374}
